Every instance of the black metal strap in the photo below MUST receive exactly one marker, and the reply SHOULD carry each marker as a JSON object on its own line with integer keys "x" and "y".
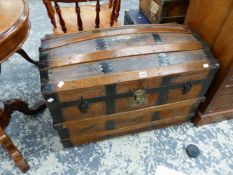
{"x": 110, "y": 102}
{"x": 100, "y": 44}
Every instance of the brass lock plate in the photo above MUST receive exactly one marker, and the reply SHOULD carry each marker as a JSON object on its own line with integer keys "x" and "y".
{"x": 139, "y": 98}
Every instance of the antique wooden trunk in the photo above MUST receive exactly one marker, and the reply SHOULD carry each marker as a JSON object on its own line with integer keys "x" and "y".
{"x": 111, "y": 82}
{"x": 164, "y": 11}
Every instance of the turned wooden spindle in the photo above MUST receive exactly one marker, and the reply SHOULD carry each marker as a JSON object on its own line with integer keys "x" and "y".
{"x": 61, "y": 20}
{"x": 63, "y": 15}
{"x": 113, "y": 15}
{"x": 8, "y": 145}
{"x": 110, "y": 3}
{"x": 118, "y": 8}
{"x": 97, "y": 20}
{"x": 79, "y": 19}
{"x": 50, "y": 12}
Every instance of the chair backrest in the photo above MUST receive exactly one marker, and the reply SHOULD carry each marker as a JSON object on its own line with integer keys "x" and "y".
{"x": 114, "y": 4}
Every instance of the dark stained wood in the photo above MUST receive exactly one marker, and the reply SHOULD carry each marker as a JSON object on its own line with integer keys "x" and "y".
{"x": 26, "y": 57}
{"x": 97, "y": 19}
{"x": 79, "y": 19}
{"x": 118, "y": 8}
{"x": 215, "y": 27}
{"x": 66, "y": 18}
{"x": 61, "y": 20}
{"x": 113, "y": 15}
{"x": 50, "y": 12}
{"x": 119, "y": 81}
{"x": 6, "y": 109}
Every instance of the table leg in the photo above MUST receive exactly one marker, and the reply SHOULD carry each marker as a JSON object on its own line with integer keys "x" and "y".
{"x": 6, "y": 109}
{"x": 26, "y": 57}
{"x": 13, "y": 151}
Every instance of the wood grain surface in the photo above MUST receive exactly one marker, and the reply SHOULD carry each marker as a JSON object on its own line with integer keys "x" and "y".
{"x": 213, "y": 21}
{"x": 14, "y": 27}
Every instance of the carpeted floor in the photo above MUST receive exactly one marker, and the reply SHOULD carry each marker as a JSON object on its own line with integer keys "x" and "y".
{"x": 136, "y": 154}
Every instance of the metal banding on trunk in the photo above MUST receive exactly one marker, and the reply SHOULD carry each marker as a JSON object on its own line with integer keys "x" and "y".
{"x": 110, "y": 102}
{"x": 111, "y": 82}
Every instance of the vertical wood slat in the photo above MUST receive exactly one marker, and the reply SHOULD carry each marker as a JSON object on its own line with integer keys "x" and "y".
{"x": 79, "y": 19}
{"x": 113, "y": 16}
{"x": 50, "y": 12}
{"x": 97, "y": 20}
{"x": 110, "y": 3}
{"x": 114, "y": 4}
{"x": 61, "y": 20}
{"x": 118, "y": 8}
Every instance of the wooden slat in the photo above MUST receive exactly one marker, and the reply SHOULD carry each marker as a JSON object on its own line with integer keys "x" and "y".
{"x": 86, "y": 128}
{"x": 113, "y": 33}
{"x": 131, "y": 113}
{"x": 126, "y": 52}
{"x": 217, "y": 116}
{"x": 130, "y": 129}
{"x": 52, "y": 37}
{"x": 129, "y": 76}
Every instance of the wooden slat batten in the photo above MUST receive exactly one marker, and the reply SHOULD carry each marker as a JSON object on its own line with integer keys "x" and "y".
{"x": 50, "y": 37}
{"x": 125, "y": 76}
{"x": 126, "y": 52}
{"x": 85, "y": 36}
{"x": 131, "y": 113}
{"x": 148, "y": 125}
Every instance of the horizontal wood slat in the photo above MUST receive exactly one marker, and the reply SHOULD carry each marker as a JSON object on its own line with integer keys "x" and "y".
{"x": 125, "y": 76}
{"x": 131, "y": 113}
{"x": 130, "y": 129}
{"x": 52, "y": 37}
{"x": 124, "y": 52}
{"x": 113, "y": 33}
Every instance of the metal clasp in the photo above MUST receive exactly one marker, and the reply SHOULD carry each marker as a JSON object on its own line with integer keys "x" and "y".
{"x": 187, "y": 87}
{"x": 139, "y": 98}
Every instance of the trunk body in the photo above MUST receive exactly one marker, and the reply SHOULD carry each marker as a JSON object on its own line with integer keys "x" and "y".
{"x": 110, "y": 82}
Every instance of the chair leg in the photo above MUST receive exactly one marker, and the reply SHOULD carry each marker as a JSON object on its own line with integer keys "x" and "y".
{"x": 26, "y": 57}
{"x": 6, "y": 142}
